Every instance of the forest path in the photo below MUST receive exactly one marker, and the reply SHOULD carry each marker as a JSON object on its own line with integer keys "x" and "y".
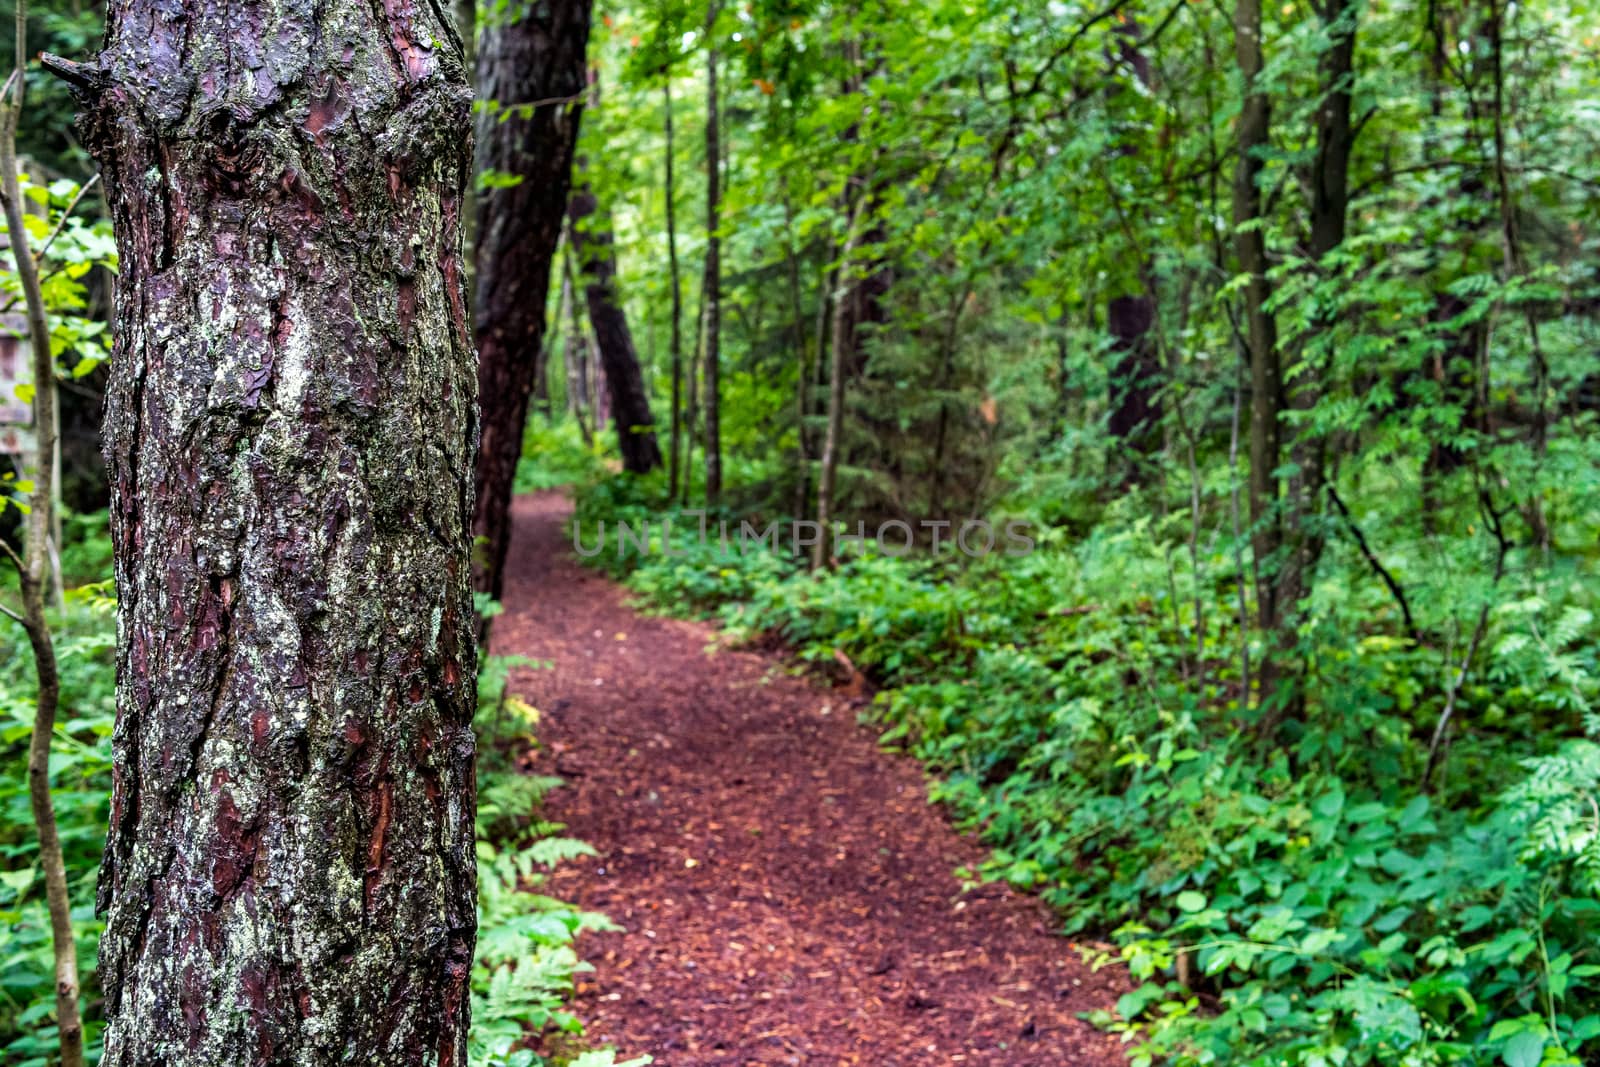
{"x": 787, "y": 892}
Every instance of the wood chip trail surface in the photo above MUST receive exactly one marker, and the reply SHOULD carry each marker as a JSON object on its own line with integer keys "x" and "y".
{"x": 787, "y": 892}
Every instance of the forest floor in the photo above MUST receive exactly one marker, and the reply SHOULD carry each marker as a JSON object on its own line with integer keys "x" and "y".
{"x": 788, "y": 894}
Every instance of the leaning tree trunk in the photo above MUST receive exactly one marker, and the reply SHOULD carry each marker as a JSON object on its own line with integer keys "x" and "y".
{"x": 630, "y": 400}
{"x": 532, "y": 72}
{"x": 289, "y": 869}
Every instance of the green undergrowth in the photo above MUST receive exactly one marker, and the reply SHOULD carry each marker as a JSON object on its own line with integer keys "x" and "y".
{"x": 80, "y": 765}
{"x": 527, "y": 959}
{"x": 555, "y": 455}
{"x": 1306, "y": 904}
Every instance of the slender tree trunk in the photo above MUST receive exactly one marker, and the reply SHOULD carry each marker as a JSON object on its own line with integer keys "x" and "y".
{"x": 691, "y": 418}
{"x": 676, "y": 278}
{"x": 828, "y": 476}
{"x": 599, "y": 394}
{"x": 1453, "y": 368}
{"x": 1330, "y": 174}
{"x": 532, "y": 71}
{"x": 466, "y": 16}
{"x": 803, "y": 370}
{"x": 541, "y": 377}
{"x": 289, "y": 869}
{"x": 625, "y": 385}
{"x": 713, "y": 282}
{"x": 1516, "y": 267}
{"x": 942, "y": 384}
{"x": 35, "y": 569}
{"x": 1261, "y": 332}
{"x": 576, "y": 351}
{"x": 1330, "y": 181}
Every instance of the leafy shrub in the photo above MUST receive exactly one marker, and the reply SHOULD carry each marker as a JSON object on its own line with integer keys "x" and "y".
{"x": 81, "y": 781}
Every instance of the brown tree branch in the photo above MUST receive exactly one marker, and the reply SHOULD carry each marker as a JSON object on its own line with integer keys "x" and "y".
{"x": 1395, "y": 588}
{"x": 69, "y": 1023}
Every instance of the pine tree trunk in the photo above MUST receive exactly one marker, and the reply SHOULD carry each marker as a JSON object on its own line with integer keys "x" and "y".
{"x": 532, "y": 69}
{"x": 625, "y": 387}
{"x": 289, "y": 870}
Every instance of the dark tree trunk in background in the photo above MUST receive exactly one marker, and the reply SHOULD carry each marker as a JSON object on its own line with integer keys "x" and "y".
{"x": 1261, "y": 335}
{"x": 1454, "y": 366}
{"x": 1330, "y": 198}
{"x": 630, "y": 400}
{"x": 575, "y": 351}
{"x": 804, "y": 372}
{"x": 1131, "y": 317}
{"x": 713, "y": 281}
{"x": 1330, "y": 175}
{"x": 832, "y": 441}
{"x": 676, "y": 280}
{"x": 289, "y": 869}
{"x": 532, "y": 68}
{"x": 1136, "y": 376}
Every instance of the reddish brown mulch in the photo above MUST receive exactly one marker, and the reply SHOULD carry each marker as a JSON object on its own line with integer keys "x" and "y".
{"x": 788, "y": 893}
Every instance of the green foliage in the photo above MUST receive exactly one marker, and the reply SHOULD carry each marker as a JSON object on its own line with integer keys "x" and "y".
{"x": 554, "y": 455}
{"x": 69, "y": 248}
{"x": 81, "y": 783}
{"x": 526, "y": 957}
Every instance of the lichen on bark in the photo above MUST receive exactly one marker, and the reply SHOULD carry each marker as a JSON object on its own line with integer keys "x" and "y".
{"x": 290, "y": 429}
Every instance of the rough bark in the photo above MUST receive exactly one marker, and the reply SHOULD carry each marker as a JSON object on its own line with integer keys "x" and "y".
{"x": 624, "y": 380}
{"x": 713, "y": 279}
{"x": 289, "y": 869}
{"x": 533, "y": 71}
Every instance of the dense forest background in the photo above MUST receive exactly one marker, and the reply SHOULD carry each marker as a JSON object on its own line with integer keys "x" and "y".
{"x": 1278, "y": 323}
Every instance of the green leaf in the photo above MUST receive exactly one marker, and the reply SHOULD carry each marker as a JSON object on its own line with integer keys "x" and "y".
{"x": 1524, "y": 1050}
